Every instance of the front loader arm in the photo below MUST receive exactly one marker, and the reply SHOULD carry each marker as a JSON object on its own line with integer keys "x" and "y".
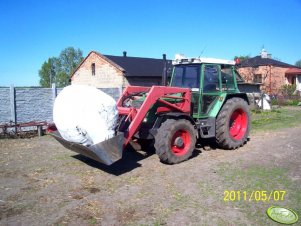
{"x": 153, "y": 94}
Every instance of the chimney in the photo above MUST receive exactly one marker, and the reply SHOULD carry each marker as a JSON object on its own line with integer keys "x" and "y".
{"x": 164, "y": 74}
{"x": 124, "y": 53}
{"x": 264, "y": 53}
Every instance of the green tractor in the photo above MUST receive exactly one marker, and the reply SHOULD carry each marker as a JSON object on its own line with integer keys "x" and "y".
{"x": 217, "y": 110}
{"x": 201, "y": 101}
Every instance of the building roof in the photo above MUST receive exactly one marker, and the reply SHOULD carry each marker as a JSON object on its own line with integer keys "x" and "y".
{"x": 293, "y": 71}
{"x": 100, "y": 55}
{"x": 138, "y": 66}
{"x": 259, "y": 61}
{"x": 134, "y": 66}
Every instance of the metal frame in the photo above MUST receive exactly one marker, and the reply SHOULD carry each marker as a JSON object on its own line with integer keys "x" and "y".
{"x": 220, "y": 94}
{"x": 161, "y": 94}
{"x": 16, "y": 130}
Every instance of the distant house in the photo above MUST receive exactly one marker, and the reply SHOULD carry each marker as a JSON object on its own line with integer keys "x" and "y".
{"x": 106, "y": 71}
{"x": 271, "y": 74}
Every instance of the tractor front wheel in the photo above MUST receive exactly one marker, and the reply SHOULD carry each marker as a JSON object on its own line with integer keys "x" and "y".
{"x": 233, "y": 124}
{"x": 175, "y": 141}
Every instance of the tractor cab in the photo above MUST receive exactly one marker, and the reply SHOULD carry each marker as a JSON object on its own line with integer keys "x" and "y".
{"x": 209, "y": 80}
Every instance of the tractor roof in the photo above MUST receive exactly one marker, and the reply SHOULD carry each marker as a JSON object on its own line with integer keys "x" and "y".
{"x": 199, "y": 60}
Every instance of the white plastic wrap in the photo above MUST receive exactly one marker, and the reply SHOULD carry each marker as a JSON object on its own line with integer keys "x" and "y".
{"x": 85, "y": 115}
{"x": 266, "y": 106}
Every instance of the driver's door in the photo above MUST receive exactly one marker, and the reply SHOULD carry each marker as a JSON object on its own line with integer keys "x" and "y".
{"x": 211, "y": 87}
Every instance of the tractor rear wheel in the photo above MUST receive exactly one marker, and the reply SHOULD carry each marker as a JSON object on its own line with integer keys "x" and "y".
{"x": 175, "y": 141}
{"x": 233, "y": 124}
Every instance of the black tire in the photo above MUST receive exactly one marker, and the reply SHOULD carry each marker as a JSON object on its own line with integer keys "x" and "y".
{"x": 146, "y": 144}
{"x": 233, "y": 124}
{"x": 170, "y": 133}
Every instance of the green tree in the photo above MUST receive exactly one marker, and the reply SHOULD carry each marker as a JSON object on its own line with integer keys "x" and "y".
{"x": 242, "y": 57}
{"x": 47, "y": 73}
{"x": 59, "y": 69}
{"x": 298, "y": 63}
{"x": 70, "y": 58}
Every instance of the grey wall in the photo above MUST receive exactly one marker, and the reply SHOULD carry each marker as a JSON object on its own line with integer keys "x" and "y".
{"x": 113, "y": 92}
{"x": 33, "y": 104}
{"x": 5, "y": 112}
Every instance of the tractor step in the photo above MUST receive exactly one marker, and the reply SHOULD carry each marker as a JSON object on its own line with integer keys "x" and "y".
{"x": 107, "y": 152}
{"x": 207, "y": 127}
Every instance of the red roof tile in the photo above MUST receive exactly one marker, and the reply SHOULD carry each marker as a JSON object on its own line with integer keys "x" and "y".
{"x": 293, "y": 71}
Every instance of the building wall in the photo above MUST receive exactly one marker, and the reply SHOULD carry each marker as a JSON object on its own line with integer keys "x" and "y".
{"x": 106, "y": 74}
{"x": 273, "y": 78}
{"x": 298, "y": 82}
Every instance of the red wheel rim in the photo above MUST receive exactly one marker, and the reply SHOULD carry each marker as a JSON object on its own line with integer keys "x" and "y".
{"x": 238, "y": 124}
{"x": 180, "y": 142}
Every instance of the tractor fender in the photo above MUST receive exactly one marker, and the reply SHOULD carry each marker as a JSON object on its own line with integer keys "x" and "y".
{"x": 223, "y": 99}
{"x": 176, "y": 116}
{"x": 240, "y": 95}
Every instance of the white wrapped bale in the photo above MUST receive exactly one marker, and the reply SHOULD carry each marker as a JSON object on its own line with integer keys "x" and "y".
{"x": 85, "y": 115}
{"x": 264, "y": 102}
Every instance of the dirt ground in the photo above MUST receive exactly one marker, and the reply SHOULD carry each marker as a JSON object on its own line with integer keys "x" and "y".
{"x": 42, "y": 183}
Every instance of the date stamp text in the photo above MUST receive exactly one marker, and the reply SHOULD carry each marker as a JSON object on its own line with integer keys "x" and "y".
{"x": 254, "y": 196}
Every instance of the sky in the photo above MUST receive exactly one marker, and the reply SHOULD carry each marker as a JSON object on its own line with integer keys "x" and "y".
{"x": 34, "y": 30}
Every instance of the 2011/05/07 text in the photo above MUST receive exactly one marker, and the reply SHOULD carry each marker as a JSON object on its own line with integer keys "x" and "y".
{"x": 259, "y": 195}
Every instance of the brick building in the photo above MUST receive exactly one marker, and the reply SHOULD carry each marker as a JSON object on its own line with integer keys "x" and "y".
{"x": 106, "y": 71}
{"x": 269, "y": 73}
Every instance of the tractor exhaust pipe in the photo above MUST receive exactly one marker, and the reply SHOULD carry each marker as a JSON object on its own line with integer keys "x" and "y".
{"x": 164, "y": 75}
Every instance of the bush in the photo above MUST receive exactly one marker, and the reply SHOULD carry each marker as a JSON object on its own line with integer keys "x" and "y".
{"x": 288, "y": 96}
{"x": 288, "y": 90}
{"x": 286, "y": 101}
{"x": 293, "y": 102}
{"x": 274, "y": 102}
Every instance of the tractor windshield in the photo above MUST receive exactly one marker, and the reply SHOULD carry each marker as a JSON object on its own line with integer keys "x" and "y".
{"x": 187, "y": 76}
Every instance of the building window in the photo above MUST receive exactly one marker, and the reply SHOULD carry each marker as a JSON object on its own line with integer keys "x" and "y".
{"x": 257, "y": 78}
{"x": 93, "y": 68}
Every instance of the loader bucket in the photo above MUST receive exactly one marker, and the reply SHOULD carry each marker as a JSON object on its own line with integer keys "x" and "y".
{"x": 107, "y": 152}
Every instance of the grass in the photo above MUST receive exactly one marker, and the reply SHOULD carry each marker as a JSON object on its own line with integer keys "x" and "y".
{"x": 275, "y": 119}
{"x": 260, "y": 178}
{"x": 92, "y": 221}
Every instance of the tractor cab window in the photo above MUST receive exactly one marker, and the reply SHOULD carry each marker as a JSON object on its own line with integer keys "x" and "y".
{"x": 211, "y": 87}
{"x": 186, "y": 76}
{"x": 227, "y": 77}
{"x": 177, "y": 77}
{"x": 211, "y": 78}
{"x": 239, "y": 79}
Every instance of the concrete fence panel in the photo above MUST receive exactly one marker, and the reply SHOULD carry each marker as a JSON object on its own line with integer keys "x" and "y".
{"x": 19, "y": 105}
{"x": 5, "y": 110}
{"x": 33, "y": 104}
